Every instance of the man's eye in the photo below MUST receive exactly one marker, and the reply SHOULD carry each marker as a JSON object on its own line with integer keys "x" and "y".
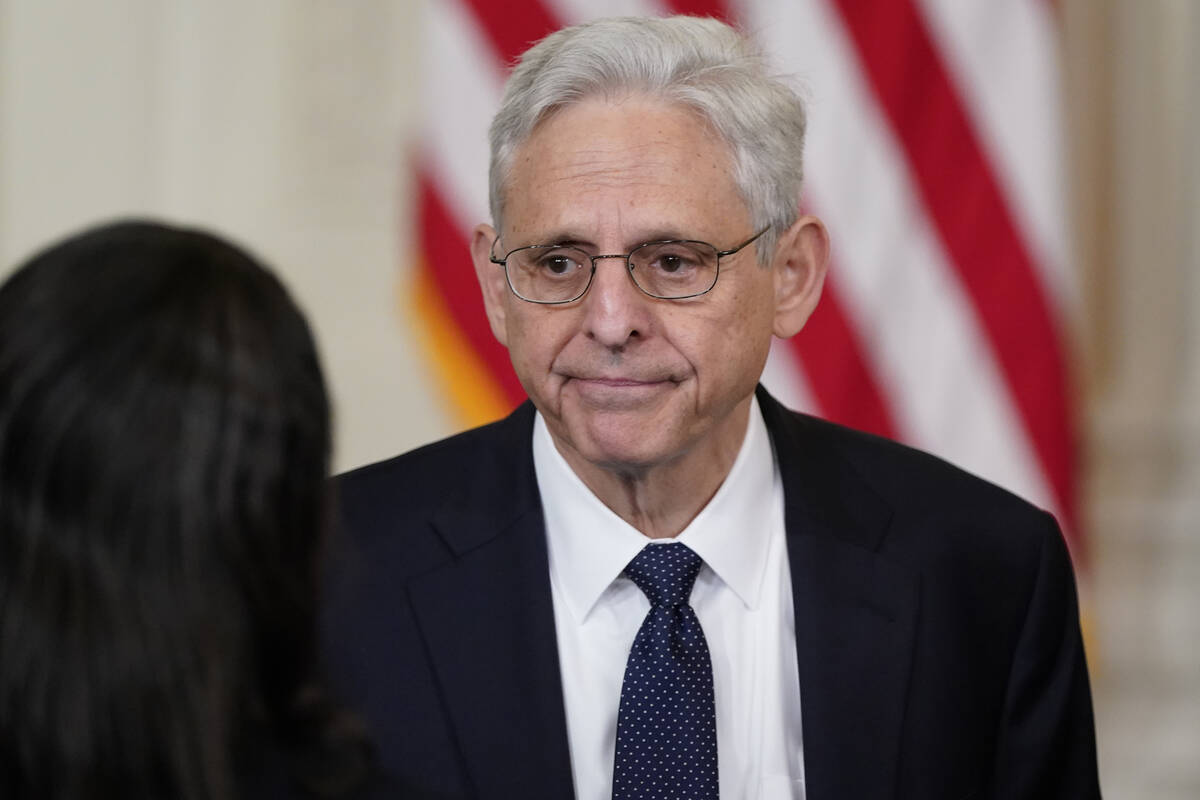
{"x": 558, "y": 264}
{"x": 673, "y": 263}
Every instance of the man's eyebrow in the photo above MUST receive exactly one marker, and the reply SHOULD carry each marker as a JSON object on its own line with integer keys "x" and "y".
{"x": 665, "y": 235}
{"x": 571, "y": 238}
{"x": 566, "y": 238}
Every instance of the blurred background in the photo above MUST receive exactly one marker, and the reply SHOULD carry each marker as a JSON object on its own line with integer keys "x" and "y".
{"x": 319, "y": 134}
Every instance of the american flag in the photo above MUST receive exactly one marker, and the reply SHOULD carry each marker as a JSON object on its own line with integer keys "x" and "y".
{"x": 934, "y": 156}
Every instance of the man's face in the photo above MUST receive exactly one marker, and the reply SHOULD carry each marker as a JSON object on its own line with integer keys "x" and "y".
{"x": 626, "y": 381}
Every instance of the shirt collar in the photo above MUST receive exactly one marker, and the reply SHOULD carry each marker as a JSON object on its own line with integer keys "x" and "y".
{"x": 589, "y": 545}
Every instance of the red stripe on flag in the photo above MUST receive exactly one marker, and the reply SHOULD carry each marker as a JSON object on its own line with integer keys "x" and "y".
{"x": 963, "y": 198}
{"x": 448, "y": 259}
{"x": 701, "y": 8}
{"x": 513, "y": 26}
{"x": 832, "y": 357}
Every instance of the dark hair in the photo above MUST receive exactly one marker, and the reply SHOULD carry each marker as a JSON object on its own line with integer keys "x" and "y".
{"x": 164, "y": 439}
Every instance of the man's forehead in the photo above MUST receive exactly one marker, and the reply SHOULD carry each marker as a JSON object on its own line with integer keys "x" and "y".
{"x": 641, "y": 166}
{"x": 599, "y": 123}
{"x": 621, "y": 158}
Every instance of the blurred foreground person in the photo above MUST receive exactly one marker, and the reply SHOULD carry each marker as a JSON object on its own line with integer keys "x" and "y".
{"x": 164, "y": 437}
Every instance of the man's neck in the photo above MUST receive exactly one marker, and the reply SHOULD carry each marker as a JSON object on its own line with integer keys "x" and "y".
{"x": 661, "y": 500}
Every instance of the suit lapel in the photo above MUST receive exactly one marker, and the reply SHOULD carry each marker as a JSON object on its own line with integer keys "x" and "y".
{"x": 488, "y": 621}
{"x": 855, "y": 615}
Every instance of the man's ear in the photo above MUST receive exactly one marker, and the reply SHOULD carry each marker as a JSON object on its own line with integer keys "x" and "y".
{"x": 492, "y": 281}
{"x": 801, "y": 259}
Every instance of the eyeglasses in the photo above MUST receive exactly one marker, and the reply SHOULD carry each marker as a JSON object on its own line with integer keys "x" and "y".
{"x": 675, "y": 269}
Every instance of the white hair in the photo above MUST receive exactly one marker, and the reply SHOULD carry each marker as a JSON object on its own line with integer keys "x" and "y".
{"x": 699, "y": 63}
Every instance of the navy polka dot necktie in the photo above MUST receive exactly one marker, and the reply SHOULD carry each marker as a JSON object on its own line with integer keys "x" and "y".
{"x": 667, "y": 725}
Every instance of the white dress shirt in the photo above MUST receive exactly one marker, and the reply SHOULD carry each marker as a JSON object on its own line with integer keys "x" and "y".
{"x": 742, "y": 597}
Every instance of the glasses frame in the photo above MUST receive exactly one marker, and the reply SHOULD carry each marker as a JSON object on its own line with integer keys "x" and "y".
{"x": 503, "y": 262}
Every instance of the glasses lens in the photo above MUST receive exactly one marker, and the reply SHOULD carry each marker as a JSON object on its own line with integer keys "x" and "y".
{"x": 674, "y": 269}
{"x": 549, "y": 274}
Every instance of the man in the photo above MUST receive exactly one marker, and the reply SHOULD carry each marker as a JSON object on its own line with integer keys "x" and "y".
{"x": 652, "y": 580}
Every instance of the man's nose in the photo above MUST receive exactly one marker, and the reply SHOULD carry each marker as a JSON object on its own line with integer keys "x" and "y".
{"x": 615, "y": 309}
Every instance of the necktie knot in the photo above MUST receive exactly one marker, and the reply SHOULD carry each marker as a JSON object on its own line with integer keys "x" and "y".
{"x": 665, "y": 573}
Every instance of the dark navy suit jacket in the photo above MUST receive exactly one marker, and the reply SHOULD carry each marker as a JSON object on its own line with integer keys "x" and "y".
{"x": 937, "y": 628}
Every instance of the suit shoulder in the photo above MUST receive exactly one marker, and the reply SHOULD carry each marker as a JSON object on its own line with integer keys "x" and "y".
{"x": 913, "y": 478}
{"x": 938, "y": 513}
{"x": 436, "y": 471}
{"x": 387, "y": 512}
{"x": 961, "y": 532}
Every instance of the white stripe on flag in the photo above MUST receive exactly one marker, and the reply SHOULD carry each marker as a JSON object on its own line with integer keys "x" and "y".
{"x": 574, "y": 11}
{"x": 463, "y": 82}
{"x": 1002, "y": 59}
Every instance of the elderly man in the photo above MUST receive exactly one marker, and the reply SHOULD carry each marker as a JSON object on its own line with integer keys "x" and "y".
{"x": 652, "y": 580}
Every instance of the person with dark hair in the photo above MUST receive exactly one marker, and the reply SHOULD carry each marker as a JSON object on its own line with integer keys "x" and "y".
{"x": 164, "y": 440}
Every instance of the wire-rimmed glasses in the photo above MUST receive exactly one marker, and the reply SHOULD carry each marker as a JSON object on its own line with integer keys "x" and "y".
{"x": 673, "y": 269}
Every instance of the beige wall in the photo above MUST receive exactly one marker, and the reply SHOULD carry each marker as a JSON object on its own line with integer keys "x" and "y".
{"x": 281, "y": 123}
{"x": 285, "y": 123}
{"x": 1131, "y": 76}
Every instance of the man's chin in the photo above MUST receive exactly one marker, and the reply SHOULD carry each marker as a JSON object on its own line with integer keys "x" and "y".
{"x": 625, "y": 446}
